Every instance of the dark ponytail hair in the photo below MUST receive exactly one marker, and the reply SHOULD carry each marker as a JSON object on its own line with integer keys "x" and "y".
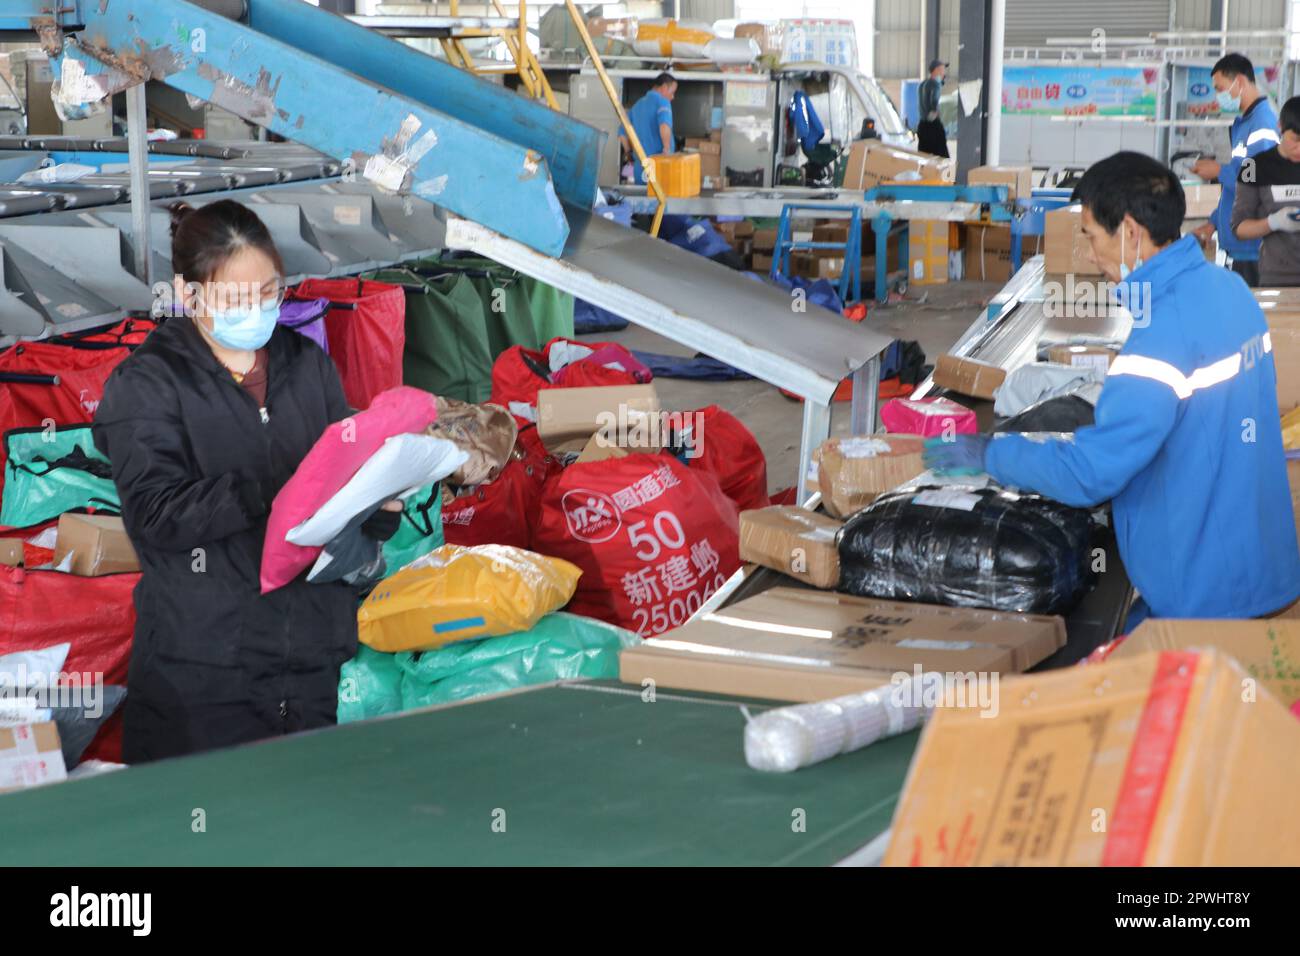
{"x": 204, "y": 239}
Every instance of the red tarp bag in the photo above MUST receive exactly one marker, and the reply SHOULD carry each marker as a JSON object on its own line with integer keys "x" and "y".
{"x": 496, "y": 512}
{"x": 366, "y": 330}
{"x": 729, "y": 451}
{"x": 517, "y": 374}
{"x": 82, "y": 364}
{"x": 95, "y": 615}
{"x": 653, "y": 538}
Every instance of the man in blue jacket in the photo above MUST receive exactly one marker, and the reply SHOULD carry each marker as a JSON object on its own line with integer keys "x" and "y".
{"x": 1187, "y": 444}
{"x": 652, "y": 120}
{"x": 1253, "y": 131}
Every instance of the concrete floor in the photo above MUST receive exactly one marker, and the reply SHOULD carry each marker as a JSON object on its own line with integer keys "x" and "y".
{"x": 934, "y": 316}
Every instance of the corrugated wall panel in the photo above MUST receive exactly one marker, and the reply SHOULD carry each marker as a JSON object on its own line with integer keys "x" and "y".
{"x": 1256, "y": 14}
{"x": 898, "y": 38}
{"x": 706, "y": 10}
{"x": 1031, "y": 22}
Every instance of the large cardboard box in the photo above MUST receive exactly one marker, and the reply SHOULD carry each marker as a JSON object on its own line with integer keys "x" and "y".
{"x": 1156, "y": 760}
{"x": 761, "y": 263}
{"x": 98, "y": 545}
{"x": 1019, "y": 180}
{"x": 800, "y": 645}
{"x": 1202, "y": 200}
{"x": 1267, "y": 649}
{"x": 988, "y": 252}
{"x": 1065, "y": 249}
{"x": 30, "y": 755}
{"x": 764, "y": 240}
{"x": 853, "y": 472}
{"x": 705, "y": 147}
{"x": 871, "y": 163}
{"x": 794, "y": 541}
{"x": 567, "y": 418}
{"x": 968, "y": 376}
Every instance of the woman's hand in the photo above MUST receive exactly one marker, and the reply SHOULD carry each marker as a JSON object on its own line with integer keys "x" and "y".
{"x": 393, "y": 505}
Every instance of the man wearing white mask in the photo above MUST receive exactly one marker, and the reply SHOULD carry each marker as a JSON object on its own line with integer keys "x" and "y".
{"x": 1253, "y": 131}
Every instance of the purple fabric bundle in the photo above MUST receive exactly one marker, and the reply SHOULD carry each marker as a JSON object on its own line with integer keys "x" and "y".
{"x": 307, "y": 317}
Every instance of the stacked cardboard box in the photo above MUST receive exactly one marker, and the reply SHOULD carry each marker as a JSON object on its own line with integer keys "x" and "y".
{"x": 1202, "y": 199}
{"x": 854, "y": 472}
{"x": 872, "y": 163}
{"x": 929, "y": 243}
{"x": 1282, "y": 311}
{"x": 987, "y": 252}
{"x": 1019, "y": 180}
{"x": 968, "y": 376}
{"x": 710, "y": 160}
{"x": 801, "y": 645}
{"x": 1065, "y": 248}
{"x": 794, "y": 541}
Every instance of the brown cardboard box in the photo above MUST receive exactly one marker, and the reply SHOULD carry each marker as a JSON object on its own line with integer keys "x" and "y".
{"x": 1284, "y": 331}
{"x": 711, "y": 169}
{"x": 968, "y": 376}
{"x": 768, "y": 36}
{"x": 853, "y": 472}
{"x": 1019, "y": 180}
{"x": 794, "y": 541}
{"x": 1202, "y": 200}
{"x": 762, "y": 263}
{"x": 764, "y": 240}
{"x": 30, "y": 754}
{"x": 705, "y": 147}
{"x": 1085, "y": 356}
{"x": 1155, "y": 760}
{"x": 800, "y": 645}
{"x": 836, "y": 230}
{"x": 601, "y": 446}
{"x": 1268, "y": 649}
{"x": 98, "y": 545}
{"x": 11, "y": 552}
{"x": 567, "y": 418}
{"x": 928, "y": 246}
{"x": 1065, "y": 249}
{"x": 988, "y": 252}
{"x": 871, "y": 163}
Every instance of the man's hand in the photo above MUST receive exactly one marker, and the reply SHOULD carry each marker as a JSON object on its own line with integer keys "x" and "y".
{"x": 1204, "y": 232}
{"x": 1284, "y": 220}
{"x": 961, "y": 455}
{"x": 1207, "y": 169}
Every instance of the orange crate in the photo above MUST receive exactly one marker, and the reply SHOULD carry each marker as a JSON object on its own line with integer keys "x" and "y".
{"x": 678, "y": 173}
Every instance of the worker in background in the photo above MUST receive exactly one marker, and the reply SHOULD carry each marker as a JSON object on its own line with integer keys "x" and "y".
{"x": 652, "y": 120}
{"x": 1267, "y": 206}
{"x": 1252, "y": 132}
{"x": 930, "y": 136}
{"x": 203, "y": 424}
{"x": 1187, "y": 444}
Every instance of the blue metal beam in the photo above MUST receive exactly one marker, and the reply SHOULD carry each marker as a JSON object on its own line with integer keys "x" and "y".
{"x": 393, "y": 141}
{"x": 572, "y": 149}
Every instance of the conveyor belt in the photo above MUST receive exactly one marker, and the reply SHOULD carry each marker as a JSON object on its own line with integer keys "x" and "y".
{"x": 585, "y": 774}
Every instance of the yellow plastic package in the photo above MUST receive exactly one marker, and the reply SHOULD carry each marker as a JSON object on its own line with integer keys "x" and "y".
{"x": 455, "y": 593}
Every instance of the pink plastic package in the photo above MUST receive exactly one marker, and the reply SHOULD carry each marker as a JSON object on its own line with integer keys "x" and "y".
{"x": 343, "y": 448}
{"x": 927, "y": 417}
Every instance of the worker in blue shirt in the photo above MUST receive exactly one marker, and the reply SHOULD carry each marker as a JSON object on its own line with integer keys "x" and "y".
{"x": 652, "y": 120}
{"x": 1253, "y": 131}
{"x": 1187, "y": 440}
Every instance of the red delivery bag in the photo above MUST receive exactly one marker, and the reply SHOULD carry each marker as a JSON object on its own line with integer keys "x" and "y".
{"x": 497, "y": 511}
{"x": 718, "y": 443}
{"x": 94, "y": 614}
{"x": 653, "y": 538}
{"x": 366, "y": 330}
{"x": 62, "y": 380}
{"x": 517, "y": 374}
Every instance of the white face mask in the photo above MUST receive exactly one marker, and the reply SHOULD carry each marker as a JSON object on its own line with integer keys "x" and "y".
{"x": 1124, "y": 270}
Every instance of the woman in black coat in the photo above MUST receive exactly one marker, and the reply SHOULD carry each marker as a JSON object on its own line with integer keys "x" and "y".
{"x": 203, "y": 424}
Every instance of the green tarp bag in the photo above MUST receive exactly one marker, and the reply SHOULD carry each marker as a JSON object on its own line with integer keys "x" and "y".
{"x": 447, "y": 351}
{"x": 519, "y": 309}
{"x": 420, "y": 531}
{"x": 52, "y": 470}
{"x": 552, "y": 310}
{"x": 370, "y": 685}
{"x": 559, "y": 647}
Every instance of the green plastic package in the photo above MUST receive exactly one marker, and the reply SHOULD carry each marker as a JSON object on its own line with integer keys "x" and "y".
{"x": 369, "y": 686}
{"x": 420, "y": 531}
{"x": 50, "y": 471}
{"x": 559, "y": 647}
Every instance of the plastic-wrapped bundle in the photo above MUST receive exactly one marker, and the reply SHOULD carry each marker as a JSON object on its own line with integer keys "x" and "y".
{"x": 970, "y": 547}
{"x": 788, "y": 738}
{"x": 1065, "y": 413}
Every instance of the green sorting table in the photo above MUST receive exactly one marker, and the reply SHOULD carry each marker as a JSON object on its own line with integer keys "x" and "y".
{"x": 585, "y": 773}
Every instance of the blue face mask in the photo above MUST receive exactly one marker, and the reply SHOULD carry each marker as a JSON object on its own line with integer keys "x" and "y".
{"x": 1124, "y": 270}
{"x": 245, "y": 328}
{"x": 1227, "y": 102}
